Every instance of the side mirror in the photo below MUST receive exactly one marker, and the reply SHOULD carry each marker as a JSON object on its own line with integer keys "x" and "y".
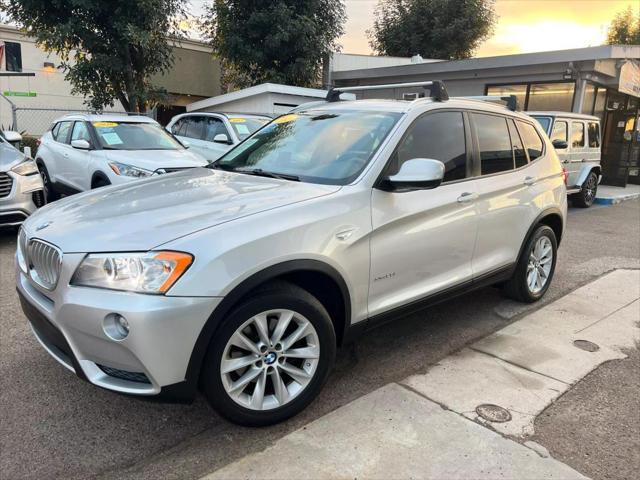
{"x": 80, "y": 144}
{"x": 416, "y": 174}
{"x": 221, "y": 138}
{"x": 185, "y": 143}
{"x": 14, "y": 138}
{"x": 560, "y": 144}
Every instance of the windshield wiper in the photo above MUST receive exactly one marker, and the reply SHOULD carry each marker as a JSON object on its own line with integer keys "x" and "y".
{"x": 264, "y": 173}
{"x": 255, "y": 171}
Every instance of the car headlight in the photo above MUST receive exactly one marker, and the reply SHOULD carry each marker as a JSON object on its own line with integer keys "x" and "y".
{"x": 28, "y": 167}
{"x": 128, "y": 170}
{"x": 152, "y": 272}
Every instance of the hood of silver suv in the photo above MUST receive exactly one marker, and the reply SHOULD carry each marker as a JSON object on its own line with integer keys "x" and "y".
{"x": 144, "y": 214}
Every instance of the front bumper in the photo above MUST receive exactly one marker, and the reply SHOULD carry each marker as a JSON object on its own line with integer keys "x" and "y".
{"x": 151, "y": 360}
{"x": 25, "y": 196}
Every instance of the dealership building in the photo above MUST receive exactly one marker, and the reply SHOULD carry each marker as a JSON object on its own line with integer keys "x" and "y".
{"x": 603, "y": 81}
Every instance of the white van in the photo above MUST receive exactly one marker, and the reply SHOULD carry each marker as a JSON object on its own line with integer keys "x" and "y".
{"x": 576, "y": 138}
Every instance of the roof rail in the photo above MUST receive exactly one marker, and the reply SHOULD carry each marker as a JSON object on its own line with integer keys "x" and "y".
{"x": 511, "y": 101}
{"x": 436, "y": 88}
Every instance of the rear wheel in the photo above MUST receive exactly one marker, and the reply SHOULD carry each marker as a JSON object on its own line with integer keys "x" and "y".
{"x": 586, "y": 196}
{"x": 535, "y": 268}
{"x": 50, "y": 193}
{"x": 271, "y": 356}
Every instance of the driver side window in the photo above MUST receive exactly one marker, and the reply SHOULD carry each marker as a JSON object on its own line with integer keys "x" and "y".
{"x": 439, "y": 136}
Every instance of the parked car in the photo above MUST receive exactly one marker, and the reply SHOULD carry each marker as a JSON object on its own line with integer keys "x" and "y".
{"x": 244, "y": 277}
{"x": 213, "y": 134}
{"x": 576, "y": 138}
{"x": 84, "y": 151}
{"x": 21, "y": 190}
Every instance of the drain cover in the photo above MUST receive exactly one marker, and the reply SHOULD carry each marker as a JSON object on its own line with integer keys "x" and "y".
{"x": 586, "y": 345}
{"x": 493, "y": 413}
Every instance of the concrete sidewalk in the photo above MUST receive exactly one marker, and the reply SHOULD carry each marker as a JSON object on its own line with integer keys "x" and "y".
{"x": 433, "y": 425}
{"x": 608, "y": 195}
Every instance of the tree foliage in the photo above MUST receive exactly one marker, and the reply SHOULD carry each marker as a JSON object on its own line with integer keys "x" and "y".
{"x": 443, "y": 29}
{"x": 625, "y": 28}
{"x": 109, "y": 48}
{"x": 280, "y": 41}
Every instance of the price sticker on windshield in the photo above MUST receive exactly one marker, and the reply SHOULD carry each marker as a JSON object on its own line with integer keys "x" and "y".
{"x": 237, "y": 120}
{"x": 105, "y": 124}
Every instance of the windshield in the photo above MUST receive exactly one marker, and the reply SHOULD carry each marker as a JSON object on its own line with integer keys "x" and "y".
{"x": 134, "y": 136}
{"x": 317, "y": 147}
{"x": 245, "y": 126}
{"x": 545, "y": 122}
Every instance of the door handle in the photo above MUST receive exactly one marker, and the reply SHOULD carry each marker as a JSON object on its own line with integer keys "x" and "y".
{"x": 467, "y": 197}
{"x": 529, "y": 181}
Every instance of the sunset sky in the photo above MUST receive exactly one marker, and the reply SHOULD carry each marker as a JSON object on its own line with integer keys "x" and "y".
{"x": 523, "y": 25}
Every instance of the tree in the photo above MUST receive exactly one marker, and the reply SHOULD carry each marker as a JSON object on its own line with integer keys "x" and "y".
{"x": 280, "y": 41}
{"x": 109, "y": 49}
{"x": 443, "y": 29}
{"x": 624, "y": 28}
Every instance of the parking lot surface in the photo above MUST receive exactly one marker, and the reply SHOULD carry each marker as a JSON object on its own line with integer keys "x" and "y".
{"x": 55, "y": 425}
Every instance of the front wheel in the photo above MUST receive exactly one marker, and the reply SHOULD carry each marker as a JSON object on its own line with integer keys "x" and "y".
{"x": 586, "y": 196}
{"x": 271, "y": 356}
{"x": 535, "y": 268}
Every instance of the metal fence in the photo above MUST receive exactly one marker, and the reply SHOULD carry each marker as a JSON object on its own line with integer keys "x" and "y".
{"x": 34, "y": 121}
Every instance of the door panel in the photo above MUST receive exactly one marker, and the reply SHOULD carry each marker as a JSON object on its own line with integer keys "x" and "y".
{"x": 77, "y": 161}
{"x": 578, "y": 145}
{"x": 422, "y": 242}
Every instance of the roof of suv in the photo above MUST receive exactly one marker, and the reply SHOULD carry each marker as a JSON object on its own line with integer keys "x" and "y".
{"x": 403, "y": 106}
{"x": 107, "y": 117}
{"x": 580, "y": 116}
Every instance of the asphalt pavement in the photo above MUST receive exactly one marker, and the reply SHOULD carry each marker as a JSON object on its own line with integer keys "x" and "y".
{"x": 53, "y": 425}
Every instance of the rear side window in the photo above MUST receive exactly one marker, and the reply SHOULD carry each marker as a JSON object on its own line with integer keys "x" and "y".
{"x": 439, "y": 136}
{"x": 494, "y": 143}
{"x": 560, "y": 132}
{"x": 577, "y": 134}
{"x": 63, "y": 132}
{"x": 532, "y": 141}
{"x": 194, "y": 127}
{"x": 54, "y": 130}
{"x": 518, "y": 148}
{"x": 594, "y": 135}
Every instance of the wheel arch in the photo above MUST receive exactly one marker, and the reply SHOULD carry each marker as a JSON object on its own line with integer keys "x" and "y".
{"x": 551, "y": 217}
{"x": 98, "y": 175}
{"x": 319, "y": 278}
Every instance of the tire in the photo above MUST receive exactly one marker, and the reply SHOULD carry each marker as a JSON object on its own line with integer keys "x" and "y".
{"x": 518, "y": 287}
{"x": 268, "y": 365}
{"x": 50, "y": 194}
{"x": 586, "y": 196}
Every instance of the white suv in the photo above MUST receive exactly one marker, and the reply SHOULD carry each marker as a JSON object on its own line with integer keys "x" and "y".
{"x": 213, "y": 134}
{"x": 84, "y": 151}
{"x": 244, "y": 277}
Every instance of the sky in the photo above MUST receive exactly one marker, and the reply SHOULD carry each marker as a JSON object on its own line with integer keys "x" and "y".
{"x": 523, "y": 25}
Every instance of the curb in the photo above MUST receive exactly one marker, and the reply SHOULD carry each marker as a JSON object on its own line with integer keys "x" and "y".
{"x": 616, "y": 200}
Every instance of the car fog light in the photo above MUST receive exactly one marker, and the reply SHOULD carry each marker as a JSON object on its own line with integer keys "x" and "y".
{"x": 115, "y": 326}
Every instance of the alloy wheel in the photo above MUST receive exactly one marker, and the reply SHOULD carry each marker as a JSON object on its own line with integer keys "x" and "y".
{"x": 270, "y": 359}
{"x": 539, "y": 266}
{"x": 590, "y": 188}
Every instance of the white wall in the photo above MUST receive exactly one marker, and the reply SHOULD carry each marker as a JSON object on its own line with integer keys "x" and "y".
{"x": 348, "y": 61}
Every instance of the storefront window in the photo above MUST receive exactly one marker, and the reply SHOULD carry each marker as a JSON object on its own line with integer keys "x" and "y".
{"x": 551, "y": 96}
{"x": 589, "y": 97}
{"x": 601, "y": 98}
{"x": 520, "y": 91}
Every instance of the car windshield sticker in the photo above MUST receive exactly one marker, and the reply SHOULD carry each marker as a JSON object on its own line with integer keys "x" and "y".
{"x": 237, "y": 120}
{"x": 286, "y": 118}
{"x": 105, "y": 124}
{"x": 111, "y": 138}
{"x": 242, "y": 129}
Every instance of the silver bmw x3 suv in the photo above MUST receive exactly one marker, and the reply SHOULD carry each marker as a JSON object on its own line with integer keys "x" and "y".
{"x": 244, "y": 277}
